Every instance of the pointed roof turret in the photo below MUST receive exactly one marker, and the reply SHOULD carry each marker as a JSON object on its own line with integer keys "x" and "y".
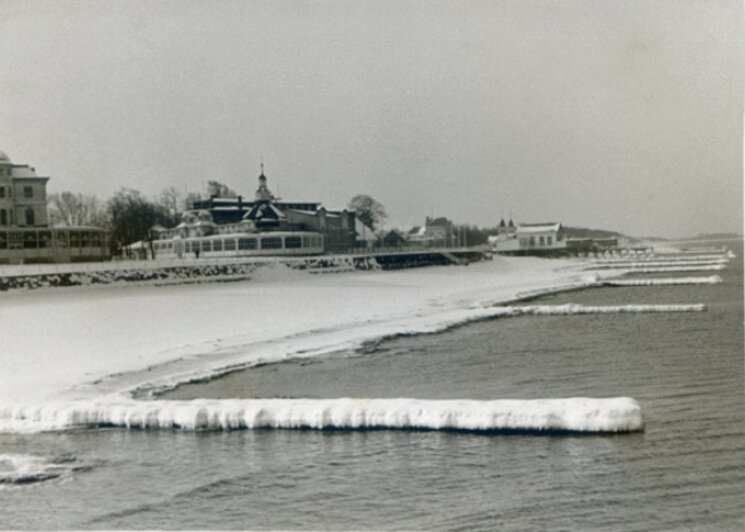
{"x": 263, "y": 193}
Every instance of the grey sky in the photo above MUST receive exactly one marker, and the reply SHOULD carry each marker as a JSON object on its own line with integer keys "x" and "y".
{"x": 620, "y": 114}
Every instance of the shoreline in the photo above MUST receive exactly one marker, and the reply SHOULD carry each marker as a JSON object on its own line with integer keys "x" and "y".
{"x": 107, "y": 341}
{"x": 144, "y": 343}
{"x": 154, "y": 393}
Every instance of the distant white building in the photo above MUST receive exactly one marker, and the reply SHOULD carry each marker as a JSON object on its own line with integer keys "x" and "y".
{"x": 536, "y": 238}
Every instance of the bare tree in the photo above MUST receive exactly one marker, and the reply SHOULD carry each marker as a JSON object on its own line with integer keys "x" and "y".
{"x": 172, "y": 202}
{"x": 190, "y": 199}
{"x": 67, "y": 208}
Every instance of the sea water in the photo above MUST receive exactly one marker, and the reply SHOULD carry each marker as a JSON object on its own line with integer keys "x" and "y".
{"x": 685, "y": 471}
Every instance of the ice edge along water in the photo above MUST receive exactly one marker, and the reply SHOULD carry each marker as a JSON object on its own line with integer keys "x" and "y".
{"x": 577, "y": 414}
{"x": 620, "y": 414}
{"x": 670, "y": 281}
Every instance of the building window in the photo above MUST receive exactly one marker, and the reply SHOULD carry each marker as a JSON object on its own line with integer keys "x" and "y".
{"x": 30, "y": 240}
{"x": 206, "y": 246}
{"x": 532, "y": 241}
{"x": 271, "y": 242}
{"x": 549, "y": 241}
{"x": 230, "y": 244}
{"x": 3, "y": 217}
{"x": 293, "y": 242}
{"x": 217, "y": 245}
{"x": 28, "y": 191}
{"x": 3, "y": 240}
{"x": 246, "y": 243}
{"x": 30, "y": 216}
{"x": 541, "y": 241}
{"x": 15, "y": 240}
{"x": 45, "y": 238}
{"x": 2, "y": 192}
{"x": 62, "y": 239}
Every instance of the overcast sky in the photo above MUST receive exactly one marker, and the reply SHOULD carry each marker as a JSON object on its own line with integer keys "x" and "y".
{"x": 610, "y": 114}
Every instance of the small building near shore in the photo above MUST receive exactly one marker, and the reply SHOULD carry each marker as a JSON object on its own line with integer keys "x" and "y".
{"x": 394, "y": 239}
{"x": 532, "y": 238}
{"x": 25, "y": 234}
{"x": 436, "y": 232}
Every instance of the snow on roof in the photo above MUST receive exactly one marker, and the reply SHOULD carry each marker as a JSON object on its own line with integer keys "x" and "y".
{"x": 538, "y": 228}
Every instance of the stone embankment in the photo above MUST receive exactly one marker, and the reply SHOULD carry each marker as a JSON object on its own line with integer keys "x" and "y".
{"x": 161, "y": 272}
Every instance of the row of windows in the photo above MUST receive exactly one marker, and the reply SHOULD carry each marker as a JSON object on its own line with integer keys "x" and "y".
{"x": 44, "y": 239}
{"x": 28, "y": 192}
{"x": 531, "y": 242}
{"x": 244, "y": 244}
{"x": 6, "y": 216}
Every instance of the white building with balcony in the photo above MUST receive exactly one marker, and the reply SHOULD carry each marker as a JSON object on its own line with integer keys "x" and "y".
{"x": 25, "y": 235}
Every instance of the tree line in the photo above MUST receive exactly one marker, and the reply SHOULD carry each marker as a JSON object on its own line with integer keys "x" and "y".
{"x": 129, "y": 215}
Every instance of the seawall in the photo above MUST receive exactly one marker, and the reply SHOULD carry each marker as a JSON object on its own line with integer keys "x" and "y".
{"x": 176, "y": 271}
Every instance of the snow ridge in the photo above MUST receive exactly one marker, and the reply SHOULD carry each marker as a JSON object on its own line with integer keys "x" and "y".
{"x": 713, "y": 279}
{"x": 661, "y": 264}
{"x": 572, "y": 309}
{"x": 673, "y": 268}
{"x": 621, "y": 414}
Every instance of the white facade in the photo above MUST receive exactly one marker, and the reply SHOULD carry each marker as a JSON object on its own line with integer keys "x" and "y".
{"x": 530, "y": 237}
{"x": 25, "y": 235}
{"x": 23, "y": 197}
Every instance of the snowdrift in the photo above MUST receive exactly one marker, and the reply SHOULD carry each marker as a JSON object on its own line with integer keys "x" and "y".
{"x": 573, "y": 414}
{"x": 661, "y": 264}
{"x": 713, "y": 279}
{"x": 676, "y": 268}
{"x": 571, "y": 309}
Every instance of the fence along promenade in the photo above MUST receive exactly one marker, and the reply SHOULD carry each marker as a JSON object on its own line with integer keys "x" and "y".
{"x": 19, "y": 270}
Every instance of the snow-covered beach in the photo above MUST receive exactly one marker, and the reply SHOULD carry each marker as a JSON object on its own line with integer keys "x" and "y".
{"x": 568, "y": 366}
{"x": 80, "y": 343}
{"x": 74, "y": 351}
{"x": 95, "y": 346}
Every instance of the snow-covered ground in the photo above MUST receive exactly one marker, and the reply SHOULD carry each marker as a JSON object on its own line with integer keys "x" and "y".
{"x": 78, "y": 343}
{"x": 76, "y": 350}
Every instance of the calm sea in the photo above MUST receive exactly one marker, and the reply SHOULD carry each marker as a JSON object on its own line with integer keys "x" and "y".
{"x": 685, "y": 472}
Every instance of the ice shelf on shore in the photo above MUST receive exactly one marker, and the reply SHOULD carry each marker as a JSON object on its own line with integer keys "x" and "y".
{"x": 718, "y": 264}
{"x": 619, "y": 414}
{"x": 671, "y": 268}
{"x": 100, "y": 345}
{"x": 668, "y": 281}
{"x": 571, "y": 308}
{"x": 97, "y": 341}
{"x": 664, "y": 258}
